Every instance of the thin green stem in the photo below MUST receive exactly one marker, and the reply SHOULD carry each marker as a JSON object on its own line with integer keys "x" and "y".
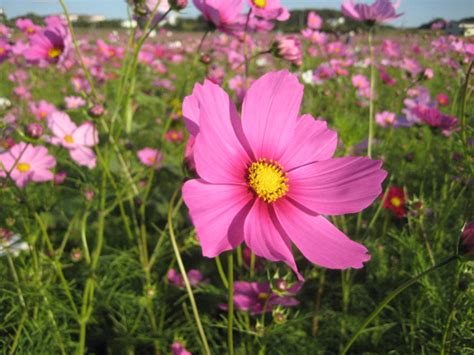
{"x": 372, "y": 88}
{"x": 230, "y": 303}
{"x": 221, "y": 272}
{"x": 390, "y": 297}
{"x": 182, "y": 270}
{"x": 464, "y": 102}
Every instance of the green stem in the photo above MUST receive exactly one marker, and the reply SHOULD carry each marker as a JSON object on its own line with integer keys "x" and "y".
{"x": 372, "y": 88}
{"x": 230, "y": 303}
{"x": 182, "y": 270}
{"x": 390, "y": 297}
{"x": 220, "y": 269}
{"x": 464, "y": 102}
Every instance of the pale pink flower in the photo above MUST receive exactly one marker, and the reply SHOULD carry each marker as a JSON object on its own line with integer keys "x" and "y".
{"x": 380, "y": 11}
{"x": 289, "y": 48}
{"x": 78, "y": 140}
{"x": 74, "y": 102}
{"x": 150, "y": 157}
{"x": 222, "y": 14}
{"x": 41, "y": 109}
{"x": 385, "y": 119}
{"x": 314, "y": 21}
{"x": 24, "y": 163}
{"x": 269, "y": 9}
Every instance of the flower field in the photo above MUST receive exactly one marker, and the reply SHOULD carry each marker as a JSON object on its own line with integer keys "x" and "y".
{"x": 239, "y": 190}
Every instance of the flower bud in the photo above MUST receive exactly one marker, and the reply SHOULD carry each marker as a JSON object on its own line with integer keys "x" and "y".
{"x": 96, "y": 111}
{"x": 59, "y": 177}
{"x": 466, "y": 242}
{"x": 34, "y": 130}
{"x": 178, "y": 5}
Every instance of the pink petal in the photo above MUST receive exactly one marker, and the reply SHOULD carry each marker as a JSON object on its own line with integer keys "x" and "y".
{"x": 218, "y": 213}
{"x": 317, "y": 239}
{"x": 218, "y": 152}
{"x": 86, "y": 134}
{"x": 337, "y": 186}
{"x": 61, "y": 125}
{"x": 269, "y": 113}
{"x": 313, "y": 141}
{"x": 191, "y": 110}
{"x": 263, "y": 237}
{"x": 83, "y": 156}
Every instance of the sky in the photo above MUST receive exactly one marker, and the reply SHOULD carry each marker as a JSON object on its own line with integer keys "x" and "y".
{"x": 416, "y": 12}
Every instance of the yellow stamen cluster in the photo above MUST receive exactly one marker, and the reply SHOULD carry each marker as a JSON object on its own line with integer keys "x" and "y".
{"x": 23, "y": 167}
{"x": 268, "y": 180}
{"x": 54, "y": 52}
{"x": 69, "y": 139}
{"x": 260, "y": 3}
{"x": 396, "y": 201}
{"x": 263, "y": 296}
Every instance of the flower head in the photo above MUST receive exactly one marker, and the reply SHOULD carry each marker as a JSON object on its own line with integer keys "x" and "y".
{"x": 289, "y": 48}
{"x": 50, "y": 45}
{"x": 24, "y": 163}
{"x": 380, "y": 11}
{"x": 150, "y": 157}
{"x": 224, "y": 15}
{"x": 78, "y": 140}
{"x": 269, "y": 9}
{"x": 258, "y": 298}
{"x": 268, "y": 178}
{"x": 395, "y": 201}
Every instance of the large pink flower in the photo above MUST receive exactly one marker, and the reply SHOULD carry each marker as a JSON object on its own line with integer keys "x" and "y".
{"x": 78, "y": 140}
{"x": 380, "y": 11}
{"x": 51, "y": 45}
{"x": 269, "y": 9}
{"x": 24, "y": 163}
{"x": 223, "y": 14}
{"x": 269, "y": 178}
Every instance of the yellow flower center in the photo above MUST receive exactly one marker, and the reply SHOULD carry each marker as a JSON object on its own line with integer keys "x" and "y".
{"x": 268, "y": 180}
{"x": 260, "y": 3}
{"x": 396, "y": 201}
{"x": 23, "y": 167}
{"x": 54, "y": 52}
{"x": 263, "y": 296}
{"x": 2, "y": 50}
{"x": 152, "y": 160}
{"x": 69, "y": 139}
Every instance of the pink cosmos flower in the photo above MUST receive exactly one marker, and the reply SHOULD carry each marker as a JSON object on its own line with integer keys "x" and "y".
{"x": 385, "y": 119}
{"x": 24, "y": 163}
{"x": 195, "y": 278}
{"x": 41, "y": 109}
{"x": 174, "y": 136}
{"x": 4, "y": 50}
{"x": 269, "y": 178}
{"x": 178, "y": 349}
{"x": 314, "y": 21}
{"x": 258, "y": 298}
{"x": 443, "y": 99}
{"x": 222, "y": 14}
{"x": 74, "y": 102}
{"x": 380, "y": 11}
{"x": 289, "y": 48}
{"x": 27, "y": 26}
{"x": 269, "y": 9}
{"x": 150, "y": 157}
{"x": 78, "y": 140}
{"x": 51, "y": 45}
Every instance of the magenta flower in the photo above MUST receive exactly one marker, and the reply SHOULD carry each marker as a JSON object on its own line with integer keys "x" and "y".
{"x": 269, "y": 9}
{"x": 178, "y": 349}
{"x": 78, "y": 140}
{"x": 195, "y": 278}
{"x": 27, "y": 26}
{"x": 466, "y": 242}
{"x": 24, "y": 163}
{"x": 224, "y": 15}
{"x": 150, "y": 157}
{"x": 4, "y": 50}
{"x": 380, "y": 11}
{"x": 268, "y": 178}
{"x": 258, "y": 298}
{"x": 51, "y": 45}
